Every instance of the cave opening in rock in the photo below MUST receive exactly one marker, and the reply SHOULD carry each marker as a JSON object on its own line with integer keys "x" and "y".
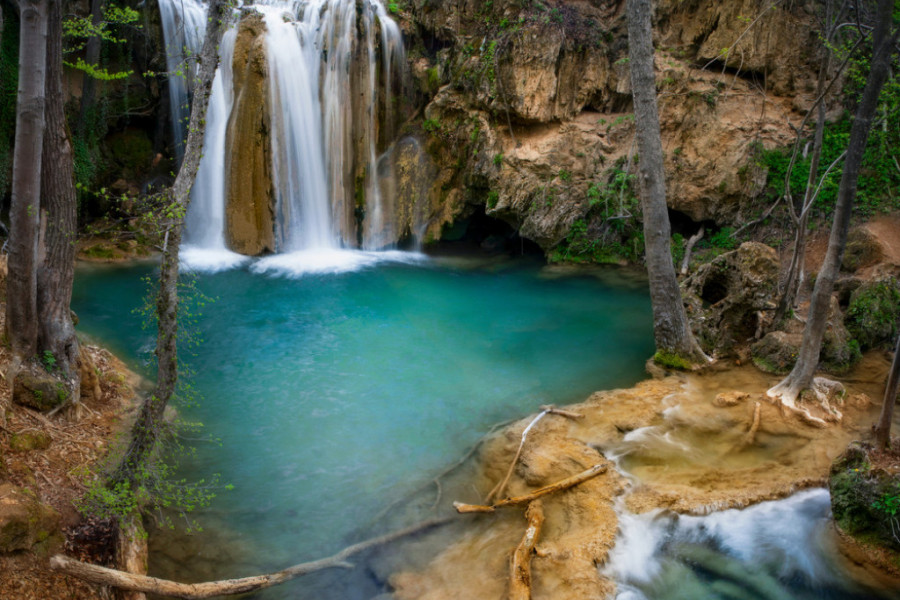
{"x": 488, "y": 234}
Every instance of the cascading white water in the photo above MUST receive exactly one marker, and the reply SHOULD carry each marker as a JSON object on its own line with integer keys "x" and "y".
{"x": 204, "y": 238}
{"x": 184, "y": 25}
{"x": 328, "y": 116}
{"x": 304, "y": 217}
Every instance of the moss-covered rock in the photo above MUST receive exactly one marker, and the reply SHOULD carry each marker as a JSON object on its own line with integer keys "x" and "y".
{"x": 863, "y": 250}
{"x": 865, "y": 498}
{"x": 26, "y": 523}
{"x": 40, "y": 391}
{"x": 874, "y": 312}
{"x": 776, "y": 353}
{"x": 29, "y": 440}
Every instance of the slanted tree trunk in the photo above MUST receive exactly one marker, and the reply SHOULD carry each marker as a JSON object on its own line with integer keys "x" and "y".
{"x": 801, "y": 376}
{"x": 883, "y": 427}
{"x": 148, "y": 425}
{"x": 671, "y": 329}
{"x": 21, "y": 303}
{"x": 56, "y": 333}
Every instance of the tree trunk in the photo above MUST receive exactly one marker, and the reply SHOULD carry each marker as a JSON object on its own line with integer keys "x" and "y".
{"x": 801, "y": 376}
{"x": 883, "y": 428}
{"x": 88, "y": 83}
{"x": 670, "y": 325}
{"x": 148, "y": 425}
{"x": 56, "y": 333}
{"x": 21, "y": 303}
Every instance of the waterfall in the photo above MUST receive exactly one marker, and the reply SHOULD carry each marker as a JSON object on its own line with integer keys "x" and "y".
{"x": 184, "y": 25}
{"x": 331, "y": 69}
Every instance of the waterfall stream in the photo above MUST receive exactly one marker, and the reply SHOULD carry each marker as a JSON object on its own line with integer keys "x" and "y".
{"x": 331, "y": 66}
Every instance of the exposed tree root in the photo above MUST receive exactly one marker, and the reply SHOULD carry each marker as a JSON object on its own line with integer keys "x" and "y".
{"x": 228, "y": 587}
{"x": 554, "y": 487}
{"x": 750, "y": 436}
{"x": 520, "y": 565}
{"x": 789, "y": 394}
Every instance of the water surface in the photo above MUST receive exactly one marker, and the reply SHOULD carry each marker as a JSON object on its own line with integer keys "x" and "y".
{"x": 334, "y": 395}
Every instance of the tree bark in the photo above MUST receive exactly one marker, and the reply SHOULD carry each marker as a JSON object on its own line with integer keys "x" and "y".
{"x": 883, "y": 427}
{"x": 88, "y": 83}
{"x": 671, "y": 329}
{"x": 801, "y": 376}
{"x": 56, "y": 333}
{"x": 559, "y": 486}
{"x": 148, "y": 425}
{"x": 228, "y": 587}
{"x": 21, "y": 303}
{"x": 520, "y": 564}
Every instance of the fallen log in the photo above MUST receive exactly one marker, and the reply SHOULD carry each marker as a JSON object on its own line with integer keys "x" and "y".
{"x": 520, "y": 566}
{"x": 563, "y": 484}
{"x": 227, "y": 587}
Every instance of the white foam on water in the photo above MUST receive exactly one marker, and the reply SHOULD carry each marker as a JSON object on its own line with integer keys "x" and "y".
{"x": 210, "y": 260}
{"x": 320, "y": 261}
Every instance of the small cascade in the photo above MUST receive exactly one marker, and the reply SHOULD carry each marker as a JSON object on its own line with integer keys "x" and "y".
{"x": 184, "y": 25}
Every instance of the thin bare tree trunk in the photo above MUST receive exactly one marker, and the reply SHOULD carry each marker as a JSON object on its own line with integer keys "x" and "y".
{"x": 801, "y": 376}
{"x": 883, "y": 427}
{"x": 148, "y": 425}
{"x": 21, "y": 303}
{"x": 92, "y": 57}
{"x": 56, "y": 333}
{"x": 671, "y": 329}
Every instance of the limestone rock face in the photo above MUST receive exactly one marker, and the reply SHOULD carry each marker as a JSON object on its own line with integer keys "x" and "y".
{"x": 249, "y": 207}
{"x": 406, "y": 192}
{"x": 528, "y": 109}
{"x": 24, "y": 521}
{"x": 726, "y": 295}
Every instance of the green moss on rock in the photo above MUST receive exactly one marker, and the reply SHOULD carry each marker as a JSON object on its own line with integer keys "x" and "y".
{"x": 873, "y": 313}
{"x": 671, "y": 360}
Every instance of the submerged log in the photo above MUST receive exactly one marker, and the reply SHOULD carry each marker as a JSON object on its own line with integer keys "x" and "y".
{"x": 563, "y": 484}
{"x": 227, "y": 587}
{"x": 520, "y": 566}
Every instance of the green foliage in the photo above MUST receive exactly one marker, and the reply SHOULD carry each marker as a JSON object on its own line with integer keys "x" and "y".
{"x": 677, "y": 249}
{"x": 78, "y": 30}
{"x": 492, "y": 198}
{"x": 394, "y": 6}
{"x": 723, "y": 239}
{"x": 874, "y": 312}
{"x": 49, "y": 361}
{"x": 565, "y": 175}
{"x": 879, "y": 177}
{"x": 431, "y": 125}
{"x": 498, "y": 159}
{"x": 671, "y": 360}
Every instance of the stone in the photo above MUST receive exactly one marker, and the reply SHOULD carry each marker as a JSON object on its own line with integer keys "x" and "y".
{"x": 26, "y": 523}
{"x": 777, "y": 352}
{"x": 29, "y": 440}
{"x": 727, "y": 296}
{"x": 863, "y": 250}
{"x": 874, "y": 312}
{"x": 728, "y": 399}
{"x": 40, "y": 391}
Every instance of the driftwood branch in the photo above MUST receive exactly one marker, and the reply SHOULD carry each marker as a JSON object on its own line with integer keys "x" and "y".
{"x": 545, "y": 410}
{"x": 692, "y": 241}
{"x": 520, "y": 566}
{"x": 228, "y": 587}
{"x": 564, "y": 484}
{"x": 500, "y": 487}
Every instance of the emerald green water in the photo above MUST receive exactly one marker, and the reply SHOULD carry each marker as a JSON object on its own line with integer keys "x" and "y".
{"x": 335, "y": 395}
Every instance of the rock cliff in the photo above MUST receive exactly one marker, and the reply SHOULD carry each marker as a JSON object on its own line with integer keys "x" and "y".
{"x": 527, "y": 108}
